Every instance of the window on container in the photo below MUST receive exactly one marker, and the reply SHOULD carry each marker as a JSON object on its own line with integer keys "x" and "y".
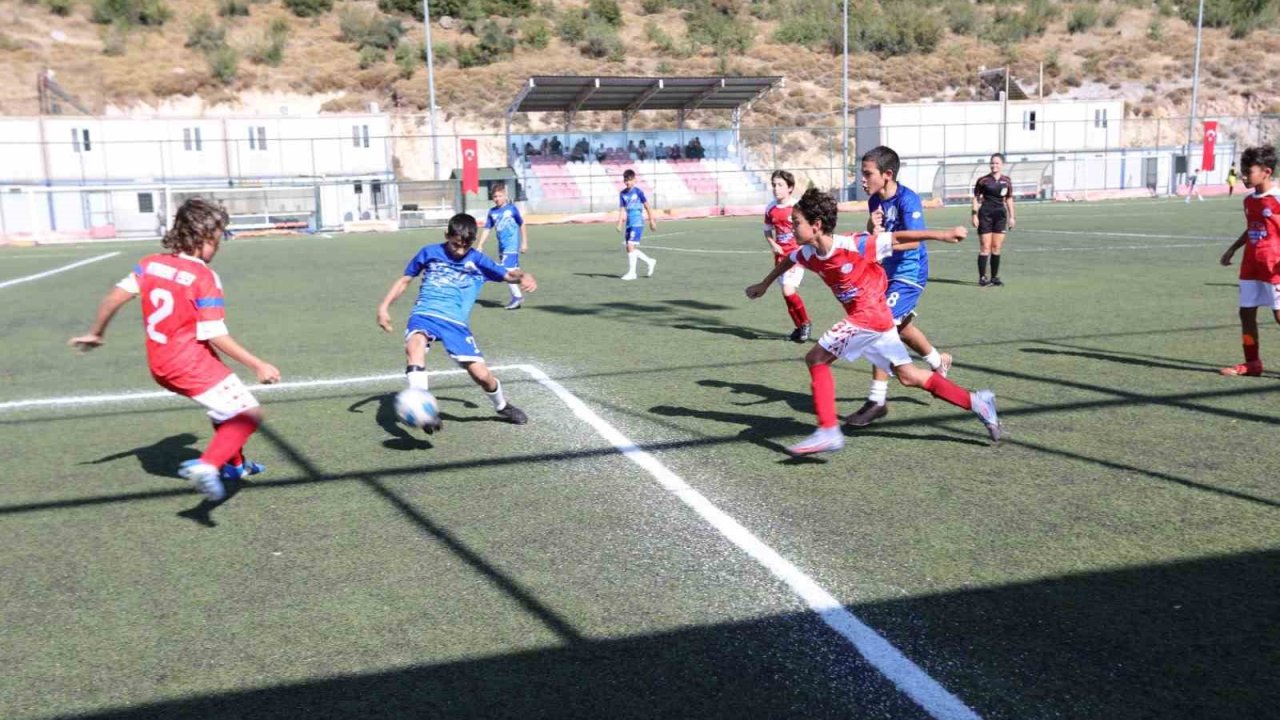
{"x": 196, "y": 133}
{"x": 262, "y": 138}
{"x": 253, "y": 140}
{"x": 146, "y": 203}
{"x": 355, "y": 136}
{"x": 186, "y": 138}
{"x": 366, "y": 136}
{"x": 75, "y": 139}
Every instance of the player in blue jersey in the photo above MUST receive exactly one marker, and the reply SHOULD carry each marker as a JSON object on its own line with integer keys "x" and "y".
{"x": 895, "y": 207}
{"x": 452, "y": 275}
{"x": 633, "y": 207}
{"x": 513, "y": 239}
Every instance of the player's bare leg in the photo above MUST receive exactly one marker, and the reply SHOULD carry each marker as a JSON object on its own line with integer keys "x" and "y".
{"x": 492, "y": 387}
{"x": 981, "y": 402}
{"x": 875, "y": 407}
{"x": 827, "y": 438}
{"x": 1252, "y": 365}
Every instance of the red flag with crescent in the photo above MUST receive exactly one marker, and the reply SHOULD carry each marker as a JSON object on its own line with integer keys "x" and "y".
{"x": 1210, "y": 139}
{"x": 470, "y": 166}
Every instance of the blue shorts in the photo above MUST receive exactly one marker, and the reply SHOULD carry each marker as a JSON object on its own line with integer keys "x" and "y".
{"x": 509, "y": 260}
{"x": 633, "y": 234}
{"x": 457, "y": 339}
{"x": 902, "y": 298}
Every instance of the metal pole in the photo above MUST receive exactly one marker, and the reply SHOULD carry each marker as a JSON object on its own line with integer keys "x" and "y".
{"x": 1004, "y": 112}
{"x": 431, "y": 90}
{"x": 1195, "y": 85}
{"x": 844, "y": 140}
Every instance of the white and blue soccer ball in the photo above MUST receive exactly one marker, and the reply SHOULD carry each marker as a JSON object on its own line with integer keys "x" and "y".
{"x": 417, "y": 408}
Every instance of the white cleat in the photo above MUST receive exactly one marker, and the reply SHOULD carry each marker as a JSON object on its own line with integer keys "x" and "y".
{"x": 629, "y": 276}
{"x": 206, "y": 478}
{"x": 822, "y": 440}
{"x": 652, "y": 263}
{"x": 984, "y": 404}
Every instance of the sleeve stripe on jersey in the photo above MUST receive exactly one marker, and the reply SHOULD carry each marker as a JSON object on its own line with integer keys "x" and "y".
{"x": 137, "y": 270}
{"x": 210, "y": 302}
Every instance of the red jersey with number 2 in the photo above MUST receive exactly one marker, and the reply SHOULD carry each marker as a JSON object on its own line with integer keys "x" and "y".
{"x": 1262, "y": 248}
{"x": 182, "y": 309}
{"x": 852, "y": 271}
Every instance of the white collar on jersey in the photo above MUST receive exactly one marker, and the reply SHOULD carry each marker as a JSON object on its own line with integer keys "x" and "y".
{"x": 838, "y": 242}
{"x": 791, "y": 202}
{"x": 192, "y": 258}
{"x": 1274, "y": 192}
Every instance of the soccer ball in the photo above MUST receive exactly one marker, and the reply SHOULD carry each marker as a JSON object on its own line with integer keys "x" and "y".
{"x": 418, "y": 408}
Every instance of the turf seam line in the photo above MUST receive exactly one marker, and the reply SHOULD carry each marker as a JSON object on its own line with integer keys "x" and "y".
{"x": 55, "y": 271}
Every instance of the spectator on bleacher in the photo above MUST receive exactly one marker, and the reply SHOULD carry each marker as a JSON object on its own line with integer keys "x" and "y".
{"x": 601, "y": 153}
{"x": 673, "y": 153}
{"x": 557, "y": 147}
{"x": 631, "y": 147}
{"x": 545, "y": 147}
{"x": 695, "y": 149}
{"x": 529, "y": 149}
{"x": 660, "y": 153}
{"x": 580, "y": 150}
{"x": 641, "y": 151}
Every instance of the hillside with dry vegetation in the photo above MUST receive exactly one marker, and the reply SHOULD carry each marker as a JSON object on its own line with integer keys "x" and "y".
{"x": 130, "y": 55}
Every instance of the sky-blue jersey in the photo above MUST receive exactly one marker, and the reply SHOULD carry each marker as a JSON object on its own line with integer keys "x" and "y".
{"x": 450, "y": 287}
{"x": 633, "y": 200}
{"x": 507, "y": 219}
{"x": 903, "y": 211}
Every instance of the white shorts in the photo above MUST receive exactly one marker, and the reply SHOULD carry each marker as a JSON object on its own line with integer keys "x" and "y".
{"x": 1255, "y": 293}
{"x": 792, "y": 277}
{"x": 850, "y": 342}
{"x": 227, "y": 399}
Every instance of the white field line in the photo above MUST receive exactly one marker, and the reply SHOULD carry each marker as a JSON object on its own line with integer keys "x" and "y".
{"x": 934, "y": 250}
{"x": 908, "y": 677}
{"x": 55, "y": 271}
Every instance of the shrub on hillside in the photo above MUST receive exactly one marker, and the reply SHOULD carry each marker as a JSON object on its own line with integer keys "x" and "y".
{"x": 203, "y": 35}
{"x": 962, "y": 19}
{"x": 717, "y": 26}
{"x": 535, "y": 32}
{"x": 268, "y": 49}
{"x": 233, "y": 8}
{"x": 1082, "y": 19}
{"x": 115, "y": 39}
{"x": 572, "y": 28}
{"x": 495, "y": 41}
{"x": 652, "y": 7}
{"x": 408, "y": 58}
{"x": 602, "y": 41}
{"x": 370, "y": 56}
{"x": 808, "y": 23}
{"x": 150, "y": 13}
{"x": 1241, "y": 16}
{"x": 61, "y": 8}
{"x": 606, "y": 10}
{"x": 223, "y": 63}
{"x": 309, "y": 8}
{"x": 369, "y": 28}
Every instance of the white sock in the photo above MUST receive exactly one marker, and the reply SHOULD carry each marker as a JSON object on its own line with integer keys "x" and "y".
{"x": 417, "y": 379}
{"x": 642, "y": 256}
{"x": 879, "y": 391}
{"x": 934, "y": 358}
{"x": 516, "y": 294}
{"x": 632, "y": 257}
{"x": 496, "y": 397}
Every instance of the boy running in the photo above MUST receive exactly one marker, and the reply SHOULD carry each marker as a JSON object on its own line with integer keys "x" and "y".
{"x": 1260, "y": 269}
{"x": 894, "y": 207}
{"x": 452, "y": 274}
{"x": 513, "y": 238}
{"x": 849, "y": 264}
{"x": 184, "y": 316}
{"x": 633, "y": 207}
{"x": 782, "y": 241}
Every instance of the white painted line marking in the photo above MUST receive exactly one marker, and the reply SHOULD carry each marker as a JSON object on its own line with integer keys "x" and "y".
{"x": 57, "y": 270}
{"x": 908, "y": 677}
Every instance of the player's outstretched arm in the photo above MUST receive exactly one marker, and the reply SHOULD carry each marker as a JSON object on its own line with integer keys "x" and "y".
{"x": 760, "y": 288}
{"x": 111, "y": 303}
{"x": 384, "y": 310}
{"x": 907, "y": 239}
{"x": 227, "y": 345}
{"x": 1231, "y": 251}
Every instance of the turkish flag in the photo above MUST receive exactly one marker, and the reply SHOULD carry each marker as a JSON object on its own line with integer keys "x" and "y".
{"x": 470, "y": 167}
{"x": 1210, "y": 139}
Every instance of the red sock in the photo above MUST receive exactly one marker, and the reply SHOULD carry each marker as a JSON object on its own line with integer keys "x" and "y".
{"x": 824, "y": 395}
{"x": 795, "y": 308}
{"x": 1250, "y": 343}
{"x": 943, "y": 388}
{"x": 238, "y": 458}
{"x": 229, "y": 439}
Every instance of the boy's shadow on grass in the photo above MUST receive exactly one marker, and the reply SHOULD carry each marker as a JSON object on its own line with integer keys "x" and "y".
{"x": 401, "y": 438}
{"x": 1123, "y": 359}
{"x": 949, "y": 281}
{"x": 160, "y": 458}
{"x": 607, "y": 276}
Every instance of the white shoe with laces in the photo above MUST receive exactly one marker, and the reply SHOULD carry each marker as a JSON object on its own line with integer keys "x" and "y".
{"x": 206, "y": 478}
{"x": 984, "y": 405}
{"x": 822, "y": 440}
{"x": 629, "y": 276}
{"x": 652, "y": 263}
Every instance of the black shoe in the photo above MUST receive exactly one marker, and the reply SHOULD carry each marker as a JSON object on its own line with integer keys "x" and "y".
{"x": 997, "y": 282}
{"x": 983, "y": 281}
{"x": 867, "y": 414}
{"x": 514, "y": 414}
{"x": 801, "y": 334}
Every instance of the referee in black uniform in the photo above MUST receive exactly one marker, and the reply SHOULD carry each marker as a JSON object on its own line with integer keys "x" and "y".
{"x": 993, "y": 217}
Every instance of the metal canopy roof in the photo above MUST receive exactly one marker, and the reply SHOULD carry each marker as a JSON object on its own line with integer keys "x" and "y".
{"x": 575, "y": 93}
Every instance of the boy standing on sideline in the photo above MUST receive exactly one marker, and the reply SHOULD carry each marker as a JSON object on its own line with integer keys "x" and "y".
{"x": 849, "y": 264}
{"x": 894, "y": 207}
{"x": 513, "y": 238}
{"x": 633, "y": 208}
{"x": 183, "y": 312}
{"x": 452, "y": 274}
{"x": 782, "y": 241}
{"x": 1191, "y": 187}
{"x": 1260, "y": 269}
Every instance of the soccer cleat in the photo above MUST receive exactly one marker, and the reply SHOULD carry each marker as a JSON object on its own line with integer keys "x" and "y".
{"x": 240, "y": 472}
{"x": 514, "y": 304}
{"x": 1250, "y": 369}
{"x": 629, "y": 276}
{"x": 984, "y": 404}
{"x": 822, "y": 440}
{"x": 651, "y": 263}
{"x": 513, "y": 414}
{"x": 801, "y": 334}
{"x": 945, "y": 366}
{"x": 983, "y": 281}
{"x": 997, "y": 282}
{"x": 205, "y": 477}
{"x": 867, "y": 414}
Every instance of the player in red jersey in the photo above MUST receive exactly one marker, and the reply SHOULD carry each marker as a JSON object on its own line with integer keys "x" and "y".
{"x": 782, "y": 241}
{"x": 183, "y": 314}
{"x": 849, "y": 265}
{"x": 1260, "y": 269}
